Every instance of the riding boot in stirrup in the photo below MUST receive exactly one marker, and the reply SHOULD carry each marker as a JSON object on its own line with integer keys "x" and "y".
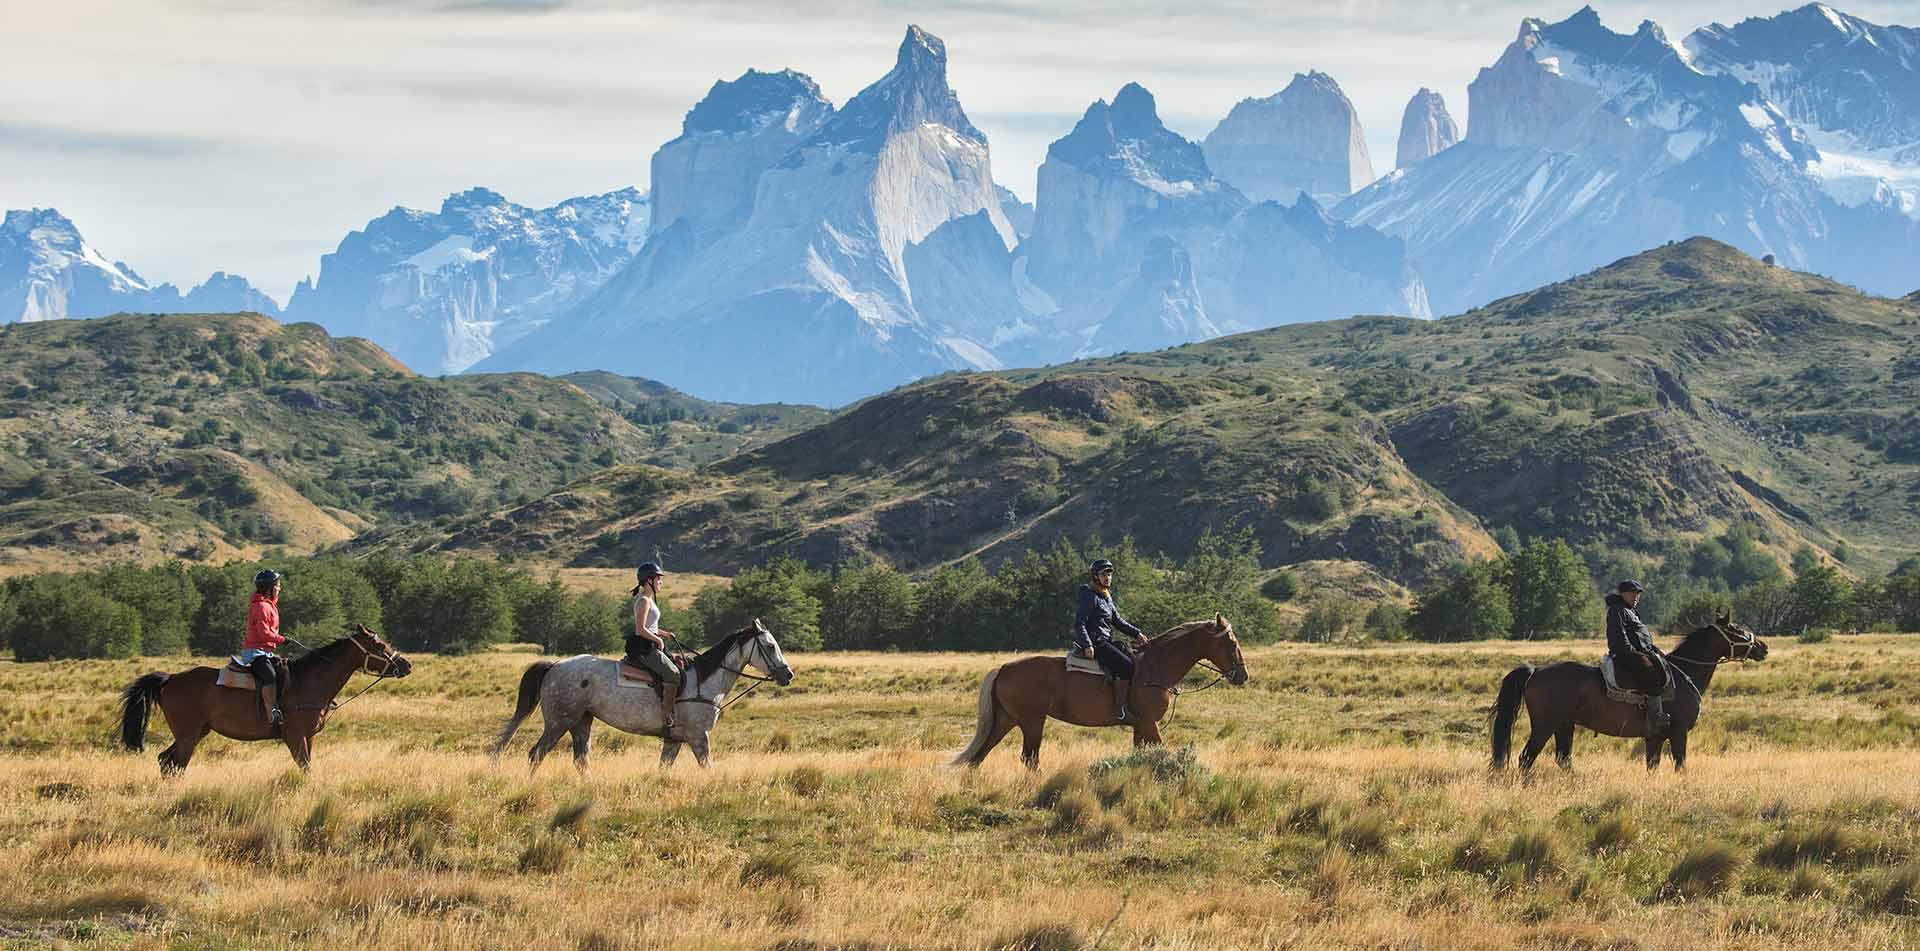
{"x": 1657, "y": 719}
{"x": 1120, "y": 699}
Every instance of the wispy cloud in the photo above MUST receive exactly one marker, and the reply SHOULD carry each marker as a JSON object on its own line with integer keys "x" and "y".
{"x": 60, "y": 140}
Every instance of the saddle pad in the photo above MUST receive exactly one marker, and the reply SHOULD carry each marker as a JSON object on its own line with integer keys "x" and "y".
{"x": 229, "y": 677}
{"x": 1620, "y": 694}
{"x": 631, "y": 676}
{"x": 1084, "y": 665}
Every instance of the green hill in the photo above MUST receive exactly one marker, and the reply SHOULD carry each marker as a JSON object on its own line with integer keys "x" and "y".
{"x": 208, "y": 436}
{"x": 1665, "y": 397}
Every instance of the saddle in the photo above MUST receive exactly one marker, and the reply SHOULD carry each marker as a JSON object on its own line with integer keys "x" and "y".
{"x": 240, "y": 677}
{"x": 1084, "y": 665}
{"x": 1626, "y": 695}
{"x": 634, "y": 675}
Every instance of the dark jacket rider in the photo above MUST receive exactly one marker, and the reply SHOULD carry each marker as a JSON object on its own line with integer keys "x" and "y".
{"x": 1637, "y": 662}
{"x": 1093, "y": 629}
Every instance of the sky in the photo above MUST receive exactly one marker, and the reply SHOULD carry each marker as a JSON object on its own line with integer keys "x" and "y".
{"x": 188, "y": 136}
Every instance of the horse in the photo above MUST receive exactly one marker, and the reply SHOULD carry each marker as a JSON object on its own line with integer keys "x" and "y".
{"x": 1025, "y": 692}
{"x": 1568, "y": 694}
{"x": 573, "y": 692}
{"x": 194, "y": 704}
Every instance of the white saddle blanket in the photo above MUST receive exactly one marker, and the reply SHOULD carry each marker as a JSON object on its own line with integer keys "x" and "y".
{"x": 1077, "y": 664}
{"x": 1622, "y": 694}
{"x": 229, "y": 677}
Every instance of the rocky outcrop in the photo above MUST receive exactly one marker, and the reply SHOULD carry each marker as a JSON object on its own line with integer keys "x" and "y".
{"x": 1426, "y": 129}
{"x": 443, "y": 290}
{"x": 1304, "y": 139}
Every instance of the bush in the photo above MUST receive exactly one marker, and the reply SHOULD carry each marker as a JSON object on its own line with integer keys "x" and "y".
{"x": 1281, "y": 587}
{"x": 1468, "y": 603}
{"x": 1332, "y": 617}
{"x": 1550, "y": 591}
{"x": 1387, "y": 621}
{"x": 60, "y": 617}
{"x": 450, "y": 607}
{"x": 778, "y": 594}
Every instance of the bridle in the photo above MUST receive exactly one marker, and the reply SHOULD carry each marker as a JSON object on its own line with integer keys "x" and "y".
{"x": 1239, "y": 667}
{"x": 367, "y": 657}
{"x": 758, "y": 650}
{"x": 1737, "y": 650}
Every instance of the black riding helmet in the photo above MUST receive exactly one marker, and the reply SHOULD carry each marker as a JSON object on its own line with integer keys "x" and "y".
{"x": 647, "y": 570}
{"x": 266, "y": 578}
{"x": 1099, "y": 566}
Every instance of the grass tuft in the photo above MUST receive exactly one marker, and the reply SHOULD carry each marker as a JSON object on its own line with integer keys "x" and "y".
{"x": 1828, "y": 843}
{"x": 1614, "y": 832}
{"x": 1056, "y": 786}
{"x": 546, "y": 855}
{"x": 775, "y": 868}
{"x": 1061, "y": 937}
{"x": 572, "y": 816}
{"x": 1365, "y": 833}
{"x": 1811, "y": 881}
{"x": 1165, "y": 765}
{"x": 1893, "y": 892}
{"x": 1535, "y": 852}
{"x": 1074, "y": 812}
{"x": 1702, "y": 872}
{"x": 806, "y": 781}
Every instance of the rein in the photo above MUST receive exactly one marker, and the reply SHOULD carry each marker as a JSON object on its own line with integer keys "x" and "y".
{"x": 366, "y": 666}
{"x": 739, "y": 673}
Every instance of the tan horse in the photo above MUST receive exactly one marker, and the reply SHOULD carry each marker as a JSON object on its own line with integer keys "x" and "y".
{"x": 1026, "y": 692}
{"x": 195, "y": 705}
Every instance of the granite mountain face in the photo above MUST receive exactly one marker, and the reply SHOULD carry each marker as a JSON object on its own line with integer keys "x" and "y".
{"x": 49, "y": 272}
{"x": 1426, "y": 129}
{"x": 1584, "y": 145}
{"x": 1304, "y": 139}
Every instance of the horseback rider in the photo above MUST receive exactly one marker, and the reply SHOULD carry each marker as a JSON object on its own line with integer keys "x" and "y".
{"x": 647, "y": 645}
{"x": 1093, "y": 633}
{"x": 262, "y": 640}
{"x": 1636, "y": 661}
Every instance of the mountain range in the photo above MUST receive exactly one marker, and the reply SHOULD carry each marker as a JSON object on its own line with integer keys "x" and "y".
{"x": 792, "y": 250}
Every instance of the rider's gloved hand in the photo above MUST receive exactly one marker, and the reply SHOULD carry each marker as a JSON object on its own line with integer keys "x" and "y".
{"x": 1085, "y": 652}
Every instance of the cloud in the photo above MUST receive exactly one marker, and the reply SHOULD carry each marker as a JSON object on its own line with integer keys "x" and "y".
{"x": 59, "y": 140}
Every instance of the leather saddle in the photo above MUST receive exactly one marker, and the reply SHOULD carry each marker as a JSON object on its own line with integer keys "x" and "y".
{"x": 240, "y": 677}
{"x": 634, "y": 675}
{"x": 1084, "y": 665}
{"x": 1620, "y": 694}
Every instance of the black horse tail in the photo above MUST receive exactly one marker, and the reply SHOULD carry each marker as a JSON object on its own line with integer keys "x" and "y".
{"x": 139, "y": 698}
{"x": 1506, "y": 709}
{"x": 530, "y": 683}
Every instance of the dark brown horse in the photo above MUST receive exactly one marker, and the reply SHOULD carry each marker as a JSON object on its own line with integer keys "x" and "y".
{"x": 1564, "y": 695}
{"x": 1027, "y": 691}
{"x": 194, "y": 704}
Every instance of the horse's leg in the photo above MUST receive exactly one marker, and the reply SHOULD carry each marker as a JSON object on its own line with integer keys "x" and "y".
{"x": 1146, "y": 733}
{"x": 669, "y": 751}
{"x": 1536, "y": 741}
{"x": 698, "y": 743}
{"x": 301, "y": 746}
{"x": 1679, "y": 740}
{"x": 189, "y": 727}
{"x": 1031, "y": 730}
{"x": 582, "y": 742}
{"x": 548, "y": 740}
{"x": 1653, "y": 751}
{"x": 1563, "y": 746}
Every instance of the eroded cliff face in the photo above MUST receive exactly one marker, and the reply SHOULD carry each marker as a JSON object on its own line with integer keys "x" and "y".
{"x": 1426, "y": 129}
{"x": 708, "y": 176}
{"x": 1305, "y": 138}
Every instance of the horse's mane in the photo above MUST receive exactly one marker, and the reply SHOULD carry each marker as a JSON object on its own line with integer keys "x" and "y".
{"x": 318, "y": 655}
{"x": 710, "y": 659}
{"x": 1176, "y": 631}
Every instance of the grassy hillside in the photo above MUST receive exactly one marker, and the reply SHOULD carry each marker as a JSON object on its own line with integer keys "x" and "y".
{"x": 1340, "y": 800}
{"x": 1667, "y": 396}
{"x": 205, "y": 437}
{"x": 689, "y": 431}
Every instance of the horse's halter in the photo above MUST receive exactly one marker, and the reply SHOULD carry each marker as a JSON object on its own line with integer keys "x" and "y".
{"x": 367, "y": 657}
{"x": 1741, "y": 649}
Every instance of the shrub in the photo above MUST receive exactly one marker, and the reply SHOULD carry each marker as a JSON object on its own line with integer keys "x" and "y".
{"x": 1282, "y": 586}
{"x": 547, "y": 854}
{"x": 1895, "y": 891}
{"x": 1535, "y": 851}
{"x": 1165, "y": 765}
{"x": 1332, "y": 617}
{"x": 61, "y": 617}
{"x": 1468, "y": 603}
{"x": 1364, "y": 833}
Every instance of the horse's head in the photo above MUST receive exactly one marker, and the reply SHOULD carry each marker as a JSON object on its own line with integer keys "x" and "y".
{"x": 1741, "y": 642}
{"x": 1223, "y": 649}
{"x": 379, "y": 657}
{"x": 765, "y": 654}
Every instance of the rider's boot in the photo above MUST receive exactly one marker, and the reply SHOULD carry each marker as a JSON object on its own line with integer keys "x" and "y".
{"x": 670, "y": 696}
{"x": 1120, "y": 699}
{"x": 1657, "y": 719}
{"x": 270, "y": 698}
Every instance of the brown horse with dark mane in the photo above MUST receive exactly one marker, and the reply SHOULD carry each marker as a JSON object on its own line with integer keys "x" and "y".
{"x": 1562, "y": 696}
{"x": 1025, "y": 692}
{"x": 194, "y": 703}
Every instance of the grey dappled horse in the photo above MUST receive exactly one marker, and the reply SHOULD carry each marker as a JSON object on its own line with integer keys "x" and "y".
{"x": 572, "y": 693}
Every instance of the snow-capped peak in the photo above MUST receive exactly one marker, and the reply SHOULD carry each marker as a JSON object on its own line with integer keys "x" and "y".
{"x": 913, "y": 94}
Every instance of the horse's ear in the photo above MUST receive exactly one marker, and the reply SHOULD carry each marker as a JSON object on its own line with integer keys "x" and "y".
{"x": 762, "y": 628}
{"x": 362, "y": 628}
{"x": 1219, "y": 621}
{"x": 1724, "y": 618}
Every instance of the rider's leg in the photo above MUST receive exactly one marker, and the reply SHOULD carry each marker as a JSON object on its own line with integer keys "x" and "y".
{"x": 1119, "y": 665}
{"x": 267, "y": 685}
{"x": 663, "y": 667}
{"x": 1654, "y": 683}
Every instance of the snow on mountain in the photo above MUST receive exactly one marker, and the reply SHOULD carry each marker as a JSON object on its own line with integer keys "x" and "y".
{"x": 442, "y": 290}
{"x": 1852, "y": 86}
{"x": 1305, "y": 138}
{"x": 49, "y": 272}
{"x": 1136, "y": 245}
{"x": 1426, "y": 129}
{"x": 875, "y": 251}
{"x": 708, "y": 175}
{"x": 1586, "y": 145}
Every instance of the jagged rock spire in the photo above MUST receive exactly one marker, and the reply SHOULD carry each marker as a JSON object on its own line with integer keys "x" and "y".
{"x": 1426, "y": 129}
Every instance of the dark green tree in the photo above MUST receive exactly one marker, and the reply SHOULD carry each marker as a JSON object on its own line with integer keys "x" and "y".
{"x": 61, "y": 617}
{"x": 1551, "y": 590}
{"x": 1468, "y": 603}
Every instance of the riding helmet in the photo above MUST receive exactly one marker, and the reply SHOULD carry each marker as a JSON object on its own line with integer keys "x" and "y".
{"x": 266, "y": 577}
{"x": 1631, "y": 585}
{"x": 1099, "y": 566}
{"x": 648, "y": 569}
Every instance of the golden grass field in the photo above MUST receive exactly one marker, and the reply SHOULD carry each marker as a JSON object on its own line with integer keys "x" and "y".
{"x": 1339, "y": 801}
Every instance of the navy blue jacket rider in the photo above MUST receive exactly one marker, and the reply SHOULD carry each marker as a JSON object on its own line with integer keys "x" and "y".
{"x": 1626, "y": 633}
{"x": 1093, "y": 629}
